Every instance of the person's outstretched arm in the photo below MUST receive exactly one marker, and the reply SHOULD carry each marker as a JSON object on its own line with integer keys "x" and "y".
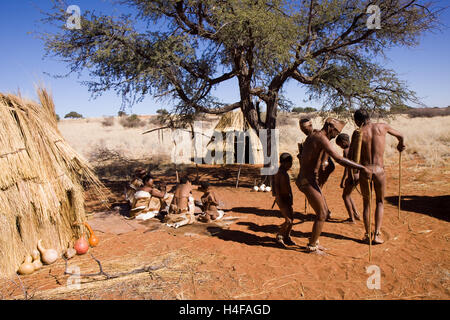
{"x": 340, "y": 159}
{"x": 398, "y": 135}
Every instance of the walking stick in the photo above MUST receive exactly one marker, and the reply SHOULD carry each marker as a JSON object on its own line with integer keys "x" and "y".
{"x": 306, "y": 204}
{"x": 239, "y": 173}
{"x": 370, "y": 219}
{"x": 399, "y": 181}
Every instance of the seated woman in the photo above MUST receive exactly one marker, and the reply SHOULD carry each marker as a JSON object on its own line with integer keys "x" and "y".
{"x": 181, "y": 210}
{"x": 135, "y": 184}
{"x": 147, "y": 201}
{"x": 209, "y": 204}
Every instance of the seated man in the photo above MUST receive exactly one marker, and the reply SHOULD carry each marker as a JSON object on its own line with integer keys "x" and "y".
{"x": 209, "y": 204}
{"x": 147, "y": 201}
{"x": 135, "y": 184}
{"x": 181, "y": 210}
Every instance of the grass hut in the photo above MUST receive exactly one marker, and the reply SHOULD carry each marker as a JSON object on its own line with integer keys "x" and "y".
{"x": 236, "y": 134}
{"x": 41, "y": 192}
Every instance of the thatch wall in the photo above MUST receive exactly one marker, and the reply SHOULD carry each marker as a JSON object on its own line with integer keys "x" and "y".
{"x": 235, "y": 121}
{"x": 41, "y": 195}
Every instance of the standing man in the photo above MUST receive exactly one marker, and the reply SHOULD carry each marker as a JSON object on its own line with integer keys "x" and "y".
{"x": 326, "y": 165}
{"x": 314, "y": 146}
{"x": 372, "y": 156}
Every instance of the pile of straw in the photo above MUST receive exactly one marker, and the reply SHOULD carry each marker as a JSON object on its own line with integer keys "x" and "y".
{"x": 41, "y": 195}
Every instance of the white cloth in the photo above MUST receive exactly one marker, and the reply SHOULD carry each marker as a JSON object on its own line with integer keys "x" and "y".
{"x": 147, "y": 215}
{"x": 142, "y": 194}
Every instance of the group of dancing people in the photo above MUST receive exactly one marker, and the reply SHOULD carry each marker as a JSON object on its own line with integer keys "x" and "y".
{"x": 175, "y": 207}
{"x": 363, "y": 159}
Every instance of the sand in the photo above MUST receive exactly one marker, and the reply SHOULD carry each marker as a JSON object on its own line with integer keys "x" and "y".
{"x": 240, "y": 260}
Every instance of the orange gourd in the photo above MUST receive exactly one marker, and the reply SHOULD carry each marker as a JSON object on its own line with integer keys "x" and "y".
{"x": 93, "y": 240}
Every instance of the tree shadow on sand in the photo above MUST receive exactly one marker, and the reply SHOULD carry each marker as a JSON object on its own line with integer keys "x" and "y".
{"x": 251, "y": 239}
{"x": 272, "y": 213}
{"x": 436, "y": 207}
{"x": 271, "y": 228}
{"x": 268, "y": 241}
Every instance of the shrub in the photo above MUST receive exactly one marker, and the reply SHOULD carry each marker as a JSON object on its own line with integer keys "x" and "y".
{"x": 57, "y": 117}
{"x": 108, "y": 122}
{"x": 303, "y": 110}
{"x": 402, "y": 109}
{"x": 121, "y": 113}
{"x": 429, "y": 112}
{"x": 154, "y": 120}
{"x": 73, "y": 115}
{"x": 132, "y": 121}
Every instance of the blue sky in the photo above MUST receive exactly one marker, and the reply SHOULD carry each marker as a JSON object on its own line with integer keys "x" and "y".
{"x": 426, "y": 68}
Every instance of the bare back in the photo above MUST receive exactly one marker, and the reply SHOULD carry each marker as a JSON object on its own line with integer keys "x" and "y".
{"x": 373, "y": 143}
{"x": 181, "y": 195}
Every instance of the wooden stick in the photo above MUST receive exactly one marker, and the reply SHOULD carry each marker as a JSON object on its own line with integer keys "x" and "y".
{"x": 370, "y": 219}
{"x": 357, "y": 156}
{"x": 399, "y": 181}
{"x": 306, "y": 204}
{"x": 239, "y": 173}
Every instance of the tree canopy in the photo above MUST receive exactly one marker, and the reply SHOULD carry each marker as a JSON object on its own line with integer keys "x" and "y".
{"x": 183, "y": 50}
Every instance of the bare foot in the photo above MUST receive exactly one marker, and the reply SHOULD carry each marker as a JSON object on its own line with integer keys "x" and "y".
{"x": 319, "y": 252}
{"x": 366, "y": 238}
{"x": 317, "y": 249}
{"x": 280, "y": 241}
{"x": 289, "y": 242}
{"x": 377, "y": 239}
{"x": 356, "y": 216}
{"x": 349, "y": 221}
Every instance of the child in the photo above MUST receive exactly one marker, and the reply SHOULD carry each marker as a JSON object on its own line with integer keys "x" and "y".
{"x": 283, "y": 197}
{"x": 210, "y": 204}
{"x": 348, "y": 182}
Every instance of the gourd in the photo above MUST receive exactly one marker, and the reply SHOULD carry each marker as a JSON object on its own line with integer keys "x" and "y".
{"x": 49, "y": 256}
{"x": 93, "y": 240}
{"x": 70, "y": 252}
{"x": 26, "y": 267}
{"x": 37, "y": 263}
{"x": 81, "y": 245}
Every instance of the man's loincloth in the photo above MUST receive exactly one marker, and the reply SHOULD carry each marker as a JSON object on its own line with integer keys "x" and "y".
{"x": 177, "y": 214}
{"x": 303, "y": 183}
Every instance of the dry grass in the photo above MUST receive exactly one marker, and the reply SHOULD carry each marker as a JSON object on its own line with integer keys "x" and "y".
{"x": 41, "y": 193}
{"x": 426, "y": 138}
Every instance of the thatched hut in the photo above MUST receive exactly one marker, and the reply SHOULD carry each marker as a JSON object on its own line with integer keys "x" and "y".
{"x": 242, "y": 137}
{"x": 41, "y": 195}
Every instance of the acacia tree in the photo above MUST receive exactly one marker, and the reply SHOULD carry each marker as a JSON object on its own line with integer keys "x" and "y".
{"x": 183, "y": 50}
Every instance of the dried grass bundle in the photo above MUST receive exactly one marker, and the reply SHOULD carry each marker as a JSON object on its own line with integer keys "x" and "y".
{"x": 41, "y": 194}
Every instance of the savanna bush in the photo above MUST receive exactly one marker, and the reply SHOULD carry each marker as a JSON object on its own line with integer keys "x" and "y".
{"x": 132, "y": 121}
{"x": 108, "y": 122}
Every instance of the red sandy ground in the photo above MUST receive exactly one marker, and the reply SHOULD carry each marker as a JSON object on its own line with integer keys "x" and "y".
{"x": 243, "y": 262}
